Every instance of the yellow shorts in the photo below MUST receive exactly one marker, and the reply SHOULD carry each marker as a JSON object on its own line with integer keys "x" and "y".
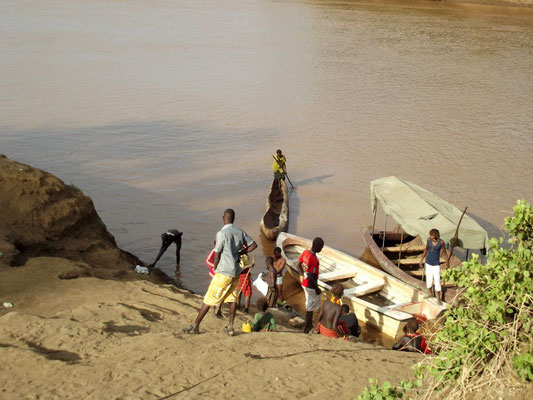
{"x": 222, "y": 289}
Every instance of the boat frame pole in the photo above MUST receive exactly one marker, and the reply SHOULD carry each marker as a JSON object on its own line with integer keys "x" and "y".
{"x": 401, "y": 243}
{"x": 384, "y": 233}
{"x": 374, "y": 222}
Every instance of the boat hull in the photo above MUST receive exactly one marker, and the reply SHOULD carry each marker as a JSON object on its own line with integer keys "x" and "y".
{"x": 276, "y": 217}
{"x": 404, "y": 302}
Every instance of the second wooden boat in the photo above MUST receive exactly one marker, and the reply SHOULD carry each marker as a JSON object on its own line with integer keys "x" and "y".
{"x": 417, "y": 211}
{"x": 276, "y": 217}
{"x": 377, "y": 298}
{"x": 400, "y": 257}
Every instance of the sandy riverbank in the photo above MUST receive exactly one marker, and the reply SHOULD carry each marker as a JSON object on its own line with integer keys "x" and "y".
{"x": 103, "y": 339}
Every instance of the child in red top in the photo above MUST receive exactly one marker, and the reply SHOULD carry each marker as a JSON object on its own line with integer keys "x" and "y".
{"x": 210, "y": 261}
{"x": 309, "y": 265}
{"x": 412, "y": 341}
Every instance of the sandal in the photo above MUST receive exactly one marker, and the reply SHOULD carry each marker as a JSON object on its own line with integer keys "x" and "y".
{"x": 229, "y": 331}
{"x": 190, "y": 330}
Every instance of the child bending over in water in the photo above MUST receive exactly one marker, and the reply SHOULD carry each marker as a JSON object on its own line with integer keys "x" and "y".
{"x": 412, "y": 341}
{"x": 263, "y": 321}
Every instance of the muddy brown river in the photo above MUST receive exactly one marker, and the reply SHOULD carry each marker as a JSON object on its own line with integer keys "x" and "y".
{"x": 168, "y": 112}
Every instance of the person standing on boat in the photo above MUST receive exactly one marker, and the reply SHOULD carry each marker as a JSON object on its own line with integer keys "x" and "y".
{"x": 231, "y": 243}
{"x": 279, "y": 167}
{"x": 435, "y": 247}
{"x": 279, "y": 265}
{"x": 308, "y": 266}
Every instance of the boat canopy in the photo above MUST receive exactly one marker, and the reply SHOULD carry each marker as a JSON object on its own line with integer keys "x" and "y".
{"x": 418, "y": 210}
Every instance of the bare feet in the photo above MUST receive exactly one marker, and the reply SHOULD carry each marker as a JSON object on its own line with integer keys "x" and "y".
{"x": 229, "y": 331}
{"x": 191, "y": 329}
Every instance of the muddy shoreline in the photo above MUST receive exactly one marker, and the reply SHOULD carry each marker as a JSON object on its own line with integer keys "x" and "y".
{"x": 495, "y": 3}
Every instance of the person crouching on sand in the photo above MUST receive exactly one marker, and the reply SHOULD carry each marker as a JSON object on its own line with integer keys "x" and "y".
{"x": 351, "y": 320}
{"x": 329, "y": 323}
{"x": 308, "y": 266}
{"x": 263, "y": 321}
{"x": 223, "y": 288}
{"x": 412, "y": 341}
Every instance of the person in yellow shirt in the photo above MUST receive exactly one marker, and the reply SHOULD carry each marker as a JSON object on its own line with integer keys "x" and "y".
{"x": 279, "y": 167}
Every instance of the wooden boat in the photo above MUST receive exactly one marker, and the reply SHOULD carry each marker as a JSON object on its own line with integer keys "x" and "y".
{"x": 400, "y": 257}
{"x": 377, "y": 298}
{"x": 276, "y": 217}
{"x": 416, "y": 211}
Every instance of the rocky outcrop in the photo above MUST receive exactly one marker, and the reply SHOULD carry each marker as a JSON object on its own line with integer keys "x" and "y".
{"x": 41, "y": 216}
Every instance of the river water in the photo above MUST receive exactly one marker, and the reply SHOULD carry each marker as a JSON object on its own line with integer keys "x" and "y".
{"x": 168, "y": 112}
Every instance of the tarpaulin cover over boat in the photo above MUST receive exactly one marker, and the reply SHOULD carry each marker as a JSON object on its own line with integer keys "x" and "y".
{"x": 418, "y": 210}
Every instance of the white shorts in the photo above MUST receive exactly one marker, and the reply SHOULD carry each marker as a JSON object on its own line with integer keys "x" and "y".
{"x": 279, "y": 280}
{"x": 312, "y": 300}
{"x": 433, "y": 277}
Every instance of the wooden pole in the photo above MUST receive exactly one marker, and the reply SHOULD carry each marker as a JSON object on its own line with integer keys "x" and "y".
{"x": 374, "y": 222}
{"x": 452, "y": 248}
{"x": 455, "y": 237}
{"x": 384, "y": 233}
{"x": 401, "y": 243}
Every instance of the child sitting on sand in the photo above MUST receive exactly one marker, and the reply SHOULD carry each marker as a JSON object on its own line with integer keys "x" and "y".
{"x": 412, "y": 341}
{"x": 351, "y": 321}
{"x": 263, "y": 321}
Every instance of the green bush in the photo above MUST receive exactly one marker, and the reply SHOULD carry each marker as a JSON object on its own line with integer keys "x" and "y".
{"x": 387, "y": 391}
{"x": 523, "y": 364}
{"x": 492, "y": 330}
{"x": 496, "y": 320}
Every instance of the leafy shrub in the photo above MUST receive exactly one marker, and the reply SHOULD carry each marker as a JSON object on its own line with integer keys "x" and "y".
{"x": 523, "y": 364}
{"x": 491, "y": 332}
{"x": 387, "y": 391}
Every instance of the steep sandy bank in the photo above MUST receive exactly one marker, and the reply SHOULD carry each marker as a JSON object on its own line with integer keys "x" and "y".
{"x": 41, "y": 216}
{"x": 103, "y": 339}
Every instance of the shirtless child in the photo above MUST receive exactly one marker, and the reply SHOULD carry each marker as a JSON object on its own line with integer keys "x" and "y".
{"x": 328, "y": 318}
{"x": 279, "y": 266}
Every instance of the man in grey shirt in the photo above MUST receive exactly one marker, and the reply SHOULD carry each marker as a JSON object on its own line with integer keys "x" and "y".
{"x": 231, "y": 243}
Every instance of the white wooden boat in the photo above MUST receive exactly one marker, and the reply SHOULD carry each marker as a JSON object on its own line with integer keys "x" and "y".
{"x": 378, "y": 299}
{"x": 276, "y": 217}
